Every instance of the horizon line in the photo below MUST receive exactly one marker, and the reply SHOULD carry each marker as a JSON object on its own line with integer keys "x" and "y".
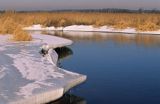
{"x": 143, "y": 9}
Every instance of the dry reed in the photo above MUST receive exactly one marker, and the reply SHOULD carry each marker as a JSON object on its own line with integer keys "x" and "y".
{"x": 142, "y": 22}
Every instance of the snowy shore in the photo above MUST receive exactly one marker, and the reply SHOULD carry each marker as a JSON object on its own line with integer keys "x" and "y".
{"x": 26, "y": 77}
{"x": 89, "y": 28}
{"x": 52, "y": 41}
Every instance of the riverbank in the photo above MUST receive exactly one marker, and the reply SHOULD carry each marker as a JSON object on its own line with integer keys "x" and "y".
{"x": 139, "y": 21}
{"x": 52, "y": 41}
{"x": 28, "y": 78}
{"x": 89, "y": 28}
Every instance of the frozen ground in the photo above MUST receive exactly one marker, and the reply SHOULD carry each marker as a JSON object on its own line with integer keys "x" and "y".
{"x": 26, "y": 77}
{"x": 89, "y": 28}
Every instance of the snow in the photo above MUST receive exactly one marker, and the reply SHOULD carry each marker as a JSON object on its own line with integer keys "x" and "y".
{"x": 4, "y": 38}
{"x": 40, "y": 27}
{"x": 105, "y": 29}
{"x": 78, "y": 28}
{"x": 90, "y": 28}
{"x": 52, "y": 41}
{"x": 151, "y": 32}
{"x": 34, "y": 27}
{"x": 84, "y": 28}
{"x": 26, "y": 77}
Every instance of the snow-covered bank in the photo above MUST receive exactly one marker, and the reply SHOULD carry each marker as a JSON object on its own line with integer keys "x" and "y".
{"x": 40, "y": 27}
{"x": 26, "y": 77}
{"x": 52, "y": 41}
{"x": 85, "y": 28}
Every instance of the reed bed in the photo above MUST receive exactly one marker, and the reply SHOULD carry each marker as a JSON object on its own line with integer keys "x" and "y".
{"x": 140, "y": 21}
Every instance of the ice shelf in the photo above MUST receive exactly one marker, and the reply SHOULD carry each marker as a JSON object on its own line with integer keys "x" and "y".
{"x": 26, "y": 77}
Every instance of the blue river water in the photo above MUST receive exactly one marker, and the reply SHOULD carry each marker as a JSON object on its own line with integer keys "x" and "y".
{"x": 121, "y": 69}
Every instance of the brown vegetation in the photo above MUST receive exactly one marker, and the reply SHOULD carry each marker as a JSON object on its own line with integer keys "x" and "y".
{"x": 140, "y": 21}
{"x": 10, "y": 26}
{"x": 20, "y": 35}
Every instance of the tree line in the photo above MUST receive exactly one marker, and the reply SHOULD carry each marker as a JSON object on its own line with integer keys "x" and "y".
{"x": 104, "y": 10}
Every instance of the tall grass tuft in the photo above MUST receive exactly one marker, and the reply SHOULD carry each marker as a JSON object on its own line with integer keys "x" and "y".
{"x": 20, "y": 35}
{"x": 10, "y": 25}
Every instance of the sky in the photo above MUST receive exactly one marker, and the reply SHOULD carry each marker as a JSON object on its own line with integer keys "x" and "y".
{"x": 77, "y": 4}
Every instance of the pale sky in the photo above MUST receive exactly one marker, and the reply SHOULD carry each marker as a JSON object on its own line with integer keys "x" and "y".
{"x": 77, "y": 4}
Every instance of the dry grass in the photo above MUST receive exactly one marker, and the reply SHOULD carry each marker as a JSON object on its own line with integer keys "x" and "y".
{"x": 20, "y": 35}
{"x": 10, "y": 26}
{"x": 148, "y": 26}
{"x": 7, "y": 26}
{"x": 142, "y": 22}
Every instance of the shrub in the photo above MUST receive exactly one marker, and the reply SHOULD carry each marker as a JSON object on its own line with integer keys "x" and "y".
{"x": 147, "y": 26}
{"x": 121, "y": 25}
{"x": 20, "y": 35}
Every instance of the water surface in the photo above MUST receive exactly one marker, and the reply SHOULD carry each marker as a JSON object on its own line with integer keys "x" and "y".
{"x": 121, "y": 68}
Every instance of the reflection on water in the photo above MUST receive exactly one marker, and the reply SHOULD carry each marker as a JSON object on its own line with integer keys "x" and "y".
{"x": 63, "y": 52}
{"x": 120, "y": 38}
{"x": 69, "y": 99}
